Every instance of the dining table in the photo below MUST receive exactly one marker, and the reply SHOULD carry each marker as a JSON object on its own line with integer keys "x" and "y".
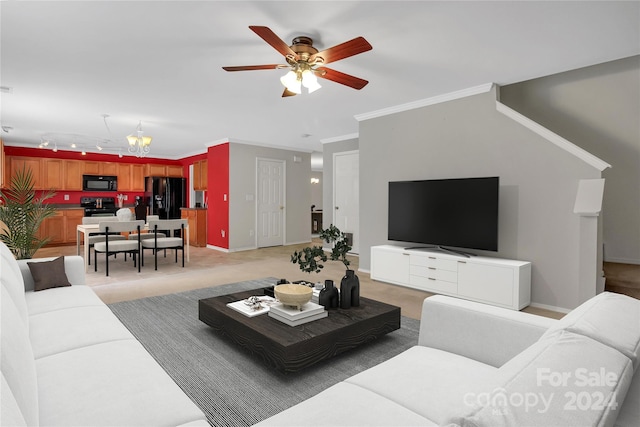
{"x": 84, "y": 230}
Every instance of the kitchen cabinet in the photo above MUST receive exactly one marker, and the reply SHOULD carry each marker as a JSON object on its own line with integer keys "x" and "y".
{"x": 53, "y": 173}
{"x": 197, "y": 219}
{"x": 174, "y": 171}
{"x": 17, "y": 163}
{"x": 53, "y": 228}
{"x": 108, "y": 168}
{"x": 130, "y": 177}
{"x": 72, "y": 175}
{"x": 61, "y": 228}
{"x": 100, "y": 168}
{"x": 91, "y": 168}
{"x": 137, "y": 177}
{"x": 200, "y": 175}
{"x": 73, "y": 218}
{"x": 124, "y": 177}
{"x": 155, "y": 170}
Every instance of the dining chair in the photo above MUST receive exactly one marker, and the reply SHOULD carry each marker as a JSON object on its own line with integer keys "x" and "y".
{"x": 161, "y": 241}
{"x": 110, "y": 246}
{"x": 148, "y": 235}
{"x": 98, "y": 237}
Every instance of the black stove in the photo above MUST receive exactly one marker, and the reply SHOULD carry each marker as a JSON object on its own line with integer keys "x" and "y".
{"x": 95, "y": 206}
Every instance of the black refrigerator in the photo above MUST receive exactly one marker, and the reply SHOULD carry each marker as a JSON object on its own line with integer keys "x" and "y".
{"x": 165, "y": 196}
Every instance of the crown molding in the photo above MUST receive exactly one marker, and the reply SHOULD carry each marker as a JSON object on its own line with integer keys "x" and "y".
{"x": 341, "y": 138}
{"x": 426, "y": 102}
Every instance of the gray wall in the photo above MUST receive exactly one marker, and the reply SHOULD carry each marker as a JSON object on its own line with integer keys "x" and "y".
{"x": 328, "y": 150}
{"x": 242, "y": 183}
{"x": 469, "y": 138}
{"x": 598, "y": 109}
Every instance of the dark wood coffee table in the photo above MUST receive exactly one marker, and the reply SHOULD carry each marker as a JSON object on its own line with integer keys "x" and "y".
{"x": 292, "y": 348}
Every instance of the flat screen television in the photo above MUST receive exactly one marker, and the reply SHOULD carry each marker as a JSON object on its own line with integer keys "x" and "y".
{"x": 461, "y": 213}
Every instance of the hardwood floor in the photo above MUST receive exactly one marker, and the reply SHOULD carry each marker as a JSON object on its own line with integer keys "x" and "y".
{"x": 209, "y": 267}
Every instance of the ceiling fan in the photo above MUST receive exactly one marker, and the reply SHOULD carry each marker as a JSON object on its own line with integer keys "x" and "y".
{"x": 305, "y": 62}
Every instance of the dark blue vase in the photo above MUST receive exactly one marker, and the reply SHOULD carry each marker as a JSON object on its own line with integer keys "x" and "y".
{"x": 350, "y": 290}
{"x": 329, "y": 295}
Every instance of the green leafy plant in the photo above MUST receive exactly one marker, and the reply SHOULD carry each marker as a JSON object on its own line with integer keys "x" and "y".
{"x": 22, "y": 213}
{"x": 310, "y": 259}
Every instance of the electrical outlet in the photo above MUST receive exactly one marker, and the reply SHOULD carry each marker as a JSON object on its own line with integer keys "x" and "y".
{"x": 222, "y": 232}
{"x": 66, "y": 197}
{"x": 126, "y": 197}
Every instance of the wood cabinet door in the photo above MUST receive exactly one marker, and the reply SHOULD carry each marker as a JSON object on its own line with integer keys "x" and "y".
{"x": 174, "y": 171}
{"x": 197, "y": 180}
{"x": 124, "y": 176}
{"x": 90, "y": 168}
{"x": 203, "y": 174}
{"x": 200, "y": 175}
{"x": 110, "y": 169}
{"x": 72, "y": 175}
{"x": 137, "y": 177}
{"x": 34, "y": 164}
{"x": 53, "y": 228}
{"x": 53, "y": 172}
{"x": 156, "y": 170}
{"x": 73, "y": 218}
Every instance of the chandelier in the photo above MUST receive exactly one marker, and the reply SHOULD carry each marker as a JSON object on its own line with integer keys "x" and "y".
{"x": 139, "y": 144}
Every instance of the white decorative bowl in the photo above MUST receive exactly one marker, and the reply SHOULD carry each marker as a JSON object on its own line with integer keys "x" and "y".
{"x": 293, "y": 295}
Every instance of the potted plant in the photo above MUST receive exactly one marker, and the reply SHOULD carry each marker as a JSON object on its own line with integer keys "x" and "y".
{"x": 310, "y": 260}
{"x": 22, "y": 213}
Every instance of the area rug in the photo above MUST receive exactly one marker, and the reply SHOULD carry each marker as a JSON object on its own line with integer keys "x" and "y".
{"x": 229, "y": 384}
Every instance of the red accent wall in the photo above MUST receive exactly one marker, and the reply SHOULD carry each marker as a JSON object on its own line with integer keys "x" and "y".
{"x": 76, "y": 155}
{"x": 217, "y": 190}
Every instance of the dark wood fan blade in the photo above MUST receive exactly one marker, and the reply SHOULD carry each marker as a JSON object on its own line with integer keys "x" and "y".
{"x": 342, "y": 78}
{"x": 276, "y": 42}
{"x": 343, "y": 50}
{"x": 253, "y": 67}
{"x": 287, "y": 92}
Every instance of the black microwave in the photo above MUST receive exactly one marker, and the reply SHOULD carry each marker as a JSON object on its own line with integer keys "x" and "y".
{"x": 99, "y": 183}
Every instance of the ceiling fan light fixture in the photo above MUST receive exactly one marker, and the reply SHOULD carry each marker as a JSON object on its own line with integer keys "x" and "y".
{"x": 291, "y": 82}
{"x": 310, "y": 81}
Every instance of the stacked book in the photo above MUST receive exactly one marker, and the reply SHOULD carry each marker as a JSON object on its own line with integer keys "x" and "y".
{"x": 315, "y": 297}
{"x": 292, "y": 316}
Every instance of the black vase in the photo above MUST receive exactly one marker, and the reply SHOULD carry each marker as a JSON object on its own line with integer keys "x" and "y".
{"x": 350, "y": 290}
{"x": 329, "y": 295}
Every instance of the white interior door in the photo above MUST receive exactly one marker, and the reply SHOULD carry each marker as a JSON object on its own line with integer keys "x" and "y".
{"x": 270, "y": 206}
{"x": 346, "y": 195}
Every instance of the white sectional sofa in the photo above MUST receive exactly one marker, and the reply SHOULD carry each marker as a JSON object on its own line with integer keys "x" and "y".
{"x": 68, "y": 361}
{"x": 479, "y": 365}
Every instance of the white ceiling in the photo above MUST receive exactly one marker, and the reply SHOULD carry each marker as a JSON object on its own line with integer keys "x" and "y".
{"x": 69, "y": 63}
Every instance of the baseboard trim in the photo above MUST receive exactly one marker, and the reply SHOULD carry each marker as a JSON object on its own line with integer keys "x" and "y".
{"x": 550, "y": 307}
{"x": 623, "y": 261}
{"x": 217, "y": 248}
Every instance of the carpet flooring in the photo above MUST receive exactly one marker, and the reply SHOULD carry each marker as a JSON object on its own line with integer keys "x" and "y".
{"x": 229, "y": 384}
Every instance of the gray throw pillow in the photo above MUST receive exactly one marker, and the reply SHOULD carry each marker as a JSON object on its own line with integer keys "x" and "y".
{"x": 48, "y": 274}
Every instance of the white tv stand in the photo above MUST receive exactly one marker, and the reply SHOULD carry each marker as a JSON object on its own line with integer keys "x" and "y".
{"x": 500, "y": 282}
